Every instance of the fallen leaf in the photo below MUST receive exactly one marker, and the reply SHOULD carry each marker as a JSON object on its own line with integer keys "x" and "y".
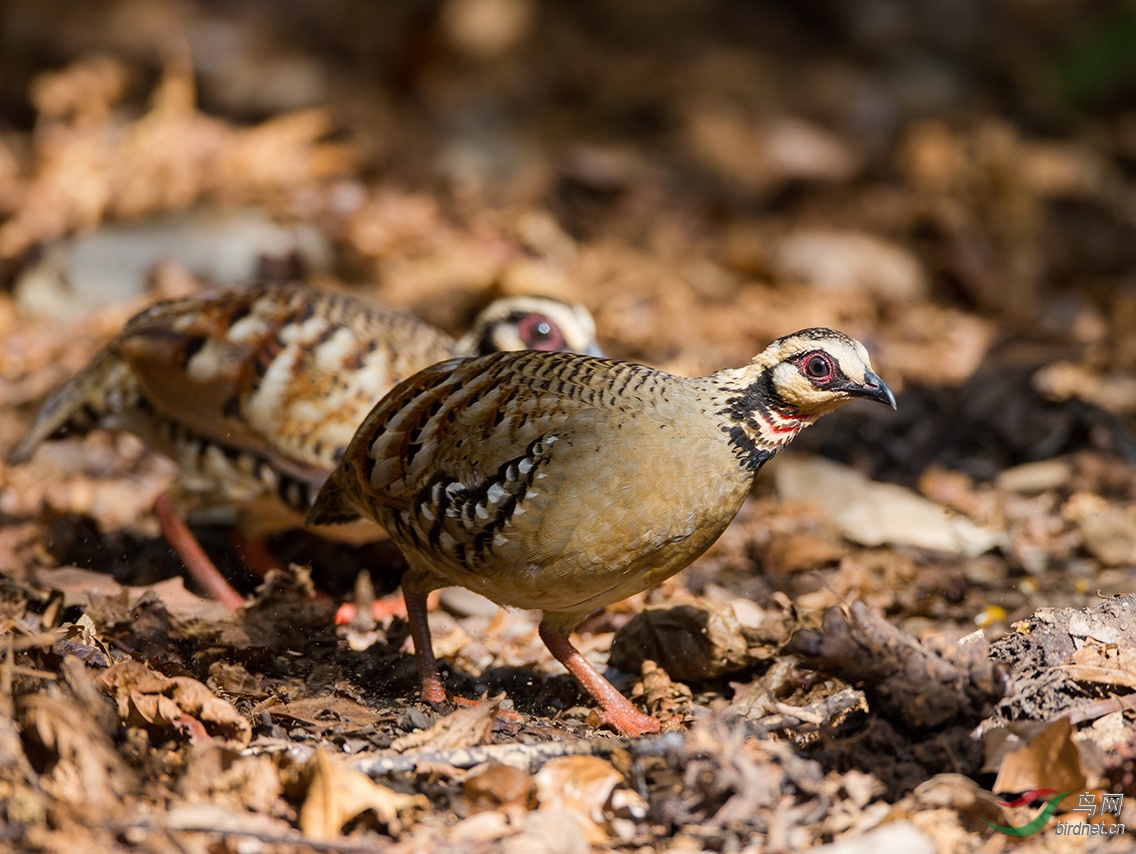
{"x": 581, "y": 785}
{"x": 82, "y": 641}
{"x": 145, "y": 697}
{"x": 873, "y": 514}
{"x": 87, "y": 769}
{"x": 496, "y": 786}
{"x": 696, "y": 639}
{"x": 329, "y": 711}
{"x": 338, "y": 793}
{"x": 836, "y": 260}
{"x": 1110, "y": 537}
{"x": 1050, "y": 759}
{"x": 665, "y": 699}
{"x": 467, "y": 727}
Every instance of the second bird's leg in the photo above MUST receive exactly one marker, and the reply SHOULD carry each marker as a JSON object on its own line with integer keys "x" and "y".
{"x": 617, "y": 709}
{"x": 253, "y": 552}
{"x": 433, "y": 691}
{"x": 197, "y": 563}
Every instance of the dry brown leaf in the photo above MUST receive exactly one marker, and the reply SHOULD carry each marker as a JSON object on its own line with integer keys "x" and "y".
{"x": 329, "y": 711}
{"x": 695, "y": 639}
{"x": 92, "y": 165}
{"x": 1099, "y": 675}
{"x": 667, "y": 700}
{"x": 81, "y": 639}
{"x": 497, "y": 786}
{"x": 147, "y": 698}
{"x": 87, "y": 769}
{"x": 1050, "y": 760}
{"x": 467, "y": 727}
{"x": 582, "y": 785}
{"x": 254, "y": 780}
{"x": 338, "y": 793}
{"x": 797, "y": 551}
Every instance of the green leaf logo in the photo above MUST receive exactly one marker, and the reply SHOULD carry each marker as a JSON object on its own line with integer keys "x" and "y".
{"x": 1034, "y": 826}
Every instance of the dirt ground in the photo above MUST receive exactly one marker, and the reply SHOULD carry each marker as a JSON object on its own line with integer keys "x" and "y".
{"x": 916, "y": 618}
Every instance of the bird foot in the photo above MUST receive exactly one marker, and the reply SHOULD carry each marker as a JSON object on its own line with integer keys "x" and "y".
{"x": 384, "y": 608}
{"x": 433, "y": 691}
{"x": 630, "y": 722}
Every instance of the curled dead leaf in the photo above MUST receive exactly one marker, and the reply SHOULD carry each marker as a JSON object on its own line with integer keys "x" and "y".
{"x": 147, "y": 698}
{"x": 86, "y": 769}
{"x": 338, "y": 794}
{"x": 497, "y": 785}
{"x": 82, "y": 641}
{"x": 585, "y": 787}
{"x": 1049, "y": 758}
{"x": 696, "y": 639}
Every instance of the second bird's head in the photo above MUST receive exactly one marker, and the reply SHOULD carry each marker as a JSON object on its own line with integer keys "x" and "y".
{"x": 532, "y": 323}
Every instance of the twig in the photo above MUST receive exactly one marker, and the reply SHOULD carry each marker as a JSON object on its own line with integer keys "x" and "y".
{"x": 922, "y": 688}
{"x": 526, "y": 756}
{"x": 1098, "y": 709}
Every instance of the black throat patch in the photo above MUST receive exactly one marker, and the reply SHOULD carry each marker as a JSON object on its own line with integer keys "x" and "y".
{"x": 752, "y": 412}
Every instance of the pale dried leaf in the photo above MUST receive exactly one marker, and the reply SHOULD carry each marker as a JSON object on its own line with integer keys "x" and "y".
{"x": 145, "y": 697}
{"x": 1051, "y": 759}
{"x": 467, "y": 727}
{"x": 338, "y": 793}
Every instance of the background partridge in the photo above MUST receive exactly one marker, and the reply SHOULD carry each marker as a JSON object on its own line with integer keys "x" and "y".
{"x": 564, "y": 483}
{"x": 255, "y": 394}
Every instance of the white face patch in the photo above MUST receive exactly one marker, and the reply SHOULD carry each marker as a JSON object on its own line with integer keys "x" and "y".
{"x": 574, "y": 322}
{"x": 799, "y": 391}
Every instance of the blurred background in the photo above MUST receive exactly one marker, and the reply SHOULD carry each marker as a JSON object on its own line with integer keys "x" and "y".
{"x": 951, "y": 182}
{"x": 931, "y": 176}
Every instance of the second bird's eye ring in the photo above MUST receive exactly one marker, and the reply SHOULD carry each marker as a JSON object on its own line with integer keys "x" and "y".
{"x": 540, "y": 333}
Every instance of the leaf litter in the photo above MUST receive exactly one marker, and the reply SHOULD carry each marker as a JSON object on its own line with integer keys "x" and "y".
{"x": 883, "y": 670}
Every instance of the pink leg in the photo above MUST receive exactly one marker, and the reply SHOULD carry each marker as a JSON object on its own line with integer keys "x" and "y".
{"x": 617, "y": 709}
{"x": 432, "y": 689}
{"x": 253, "y": 552}
{"x": 200, "y": 567}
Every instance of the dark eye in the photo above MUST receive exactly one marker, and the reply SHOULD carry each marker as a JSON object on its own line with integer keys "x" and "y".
{"x": 818, "y": 367}
{"x": 537, "y": 332}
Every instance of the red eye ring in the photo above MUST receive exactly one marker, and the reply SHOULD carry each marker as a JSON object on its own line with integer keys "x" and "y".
{"x": 817, "y": 367}
{"x": 539, "y": 332}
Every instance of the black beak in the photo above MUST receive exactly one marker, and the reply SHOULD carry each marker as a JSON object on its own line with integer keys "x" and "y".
{"x": 873, "y": 388}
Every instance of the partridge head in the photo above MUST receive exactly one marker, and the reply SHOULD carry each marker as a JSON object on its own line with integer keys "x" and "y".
{"x": 564, "y": 483}
{"x": 256, "y": 393}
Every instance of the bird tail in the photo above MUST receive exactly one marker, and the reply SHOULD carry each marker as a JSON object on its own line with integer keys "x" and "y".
{"x": 334, "y": 505}
{"x": 81, "y": 404}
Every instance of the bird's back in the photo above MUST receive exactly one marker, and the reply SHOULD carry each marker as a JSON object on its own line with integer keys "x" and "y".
{"x": 252, "y": 393}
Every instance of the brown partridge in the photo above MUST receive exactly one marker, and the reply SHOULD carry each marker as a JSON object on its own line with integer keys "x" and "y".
{"x": 564, "y": 483}
{"x": 255, "y": 394}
